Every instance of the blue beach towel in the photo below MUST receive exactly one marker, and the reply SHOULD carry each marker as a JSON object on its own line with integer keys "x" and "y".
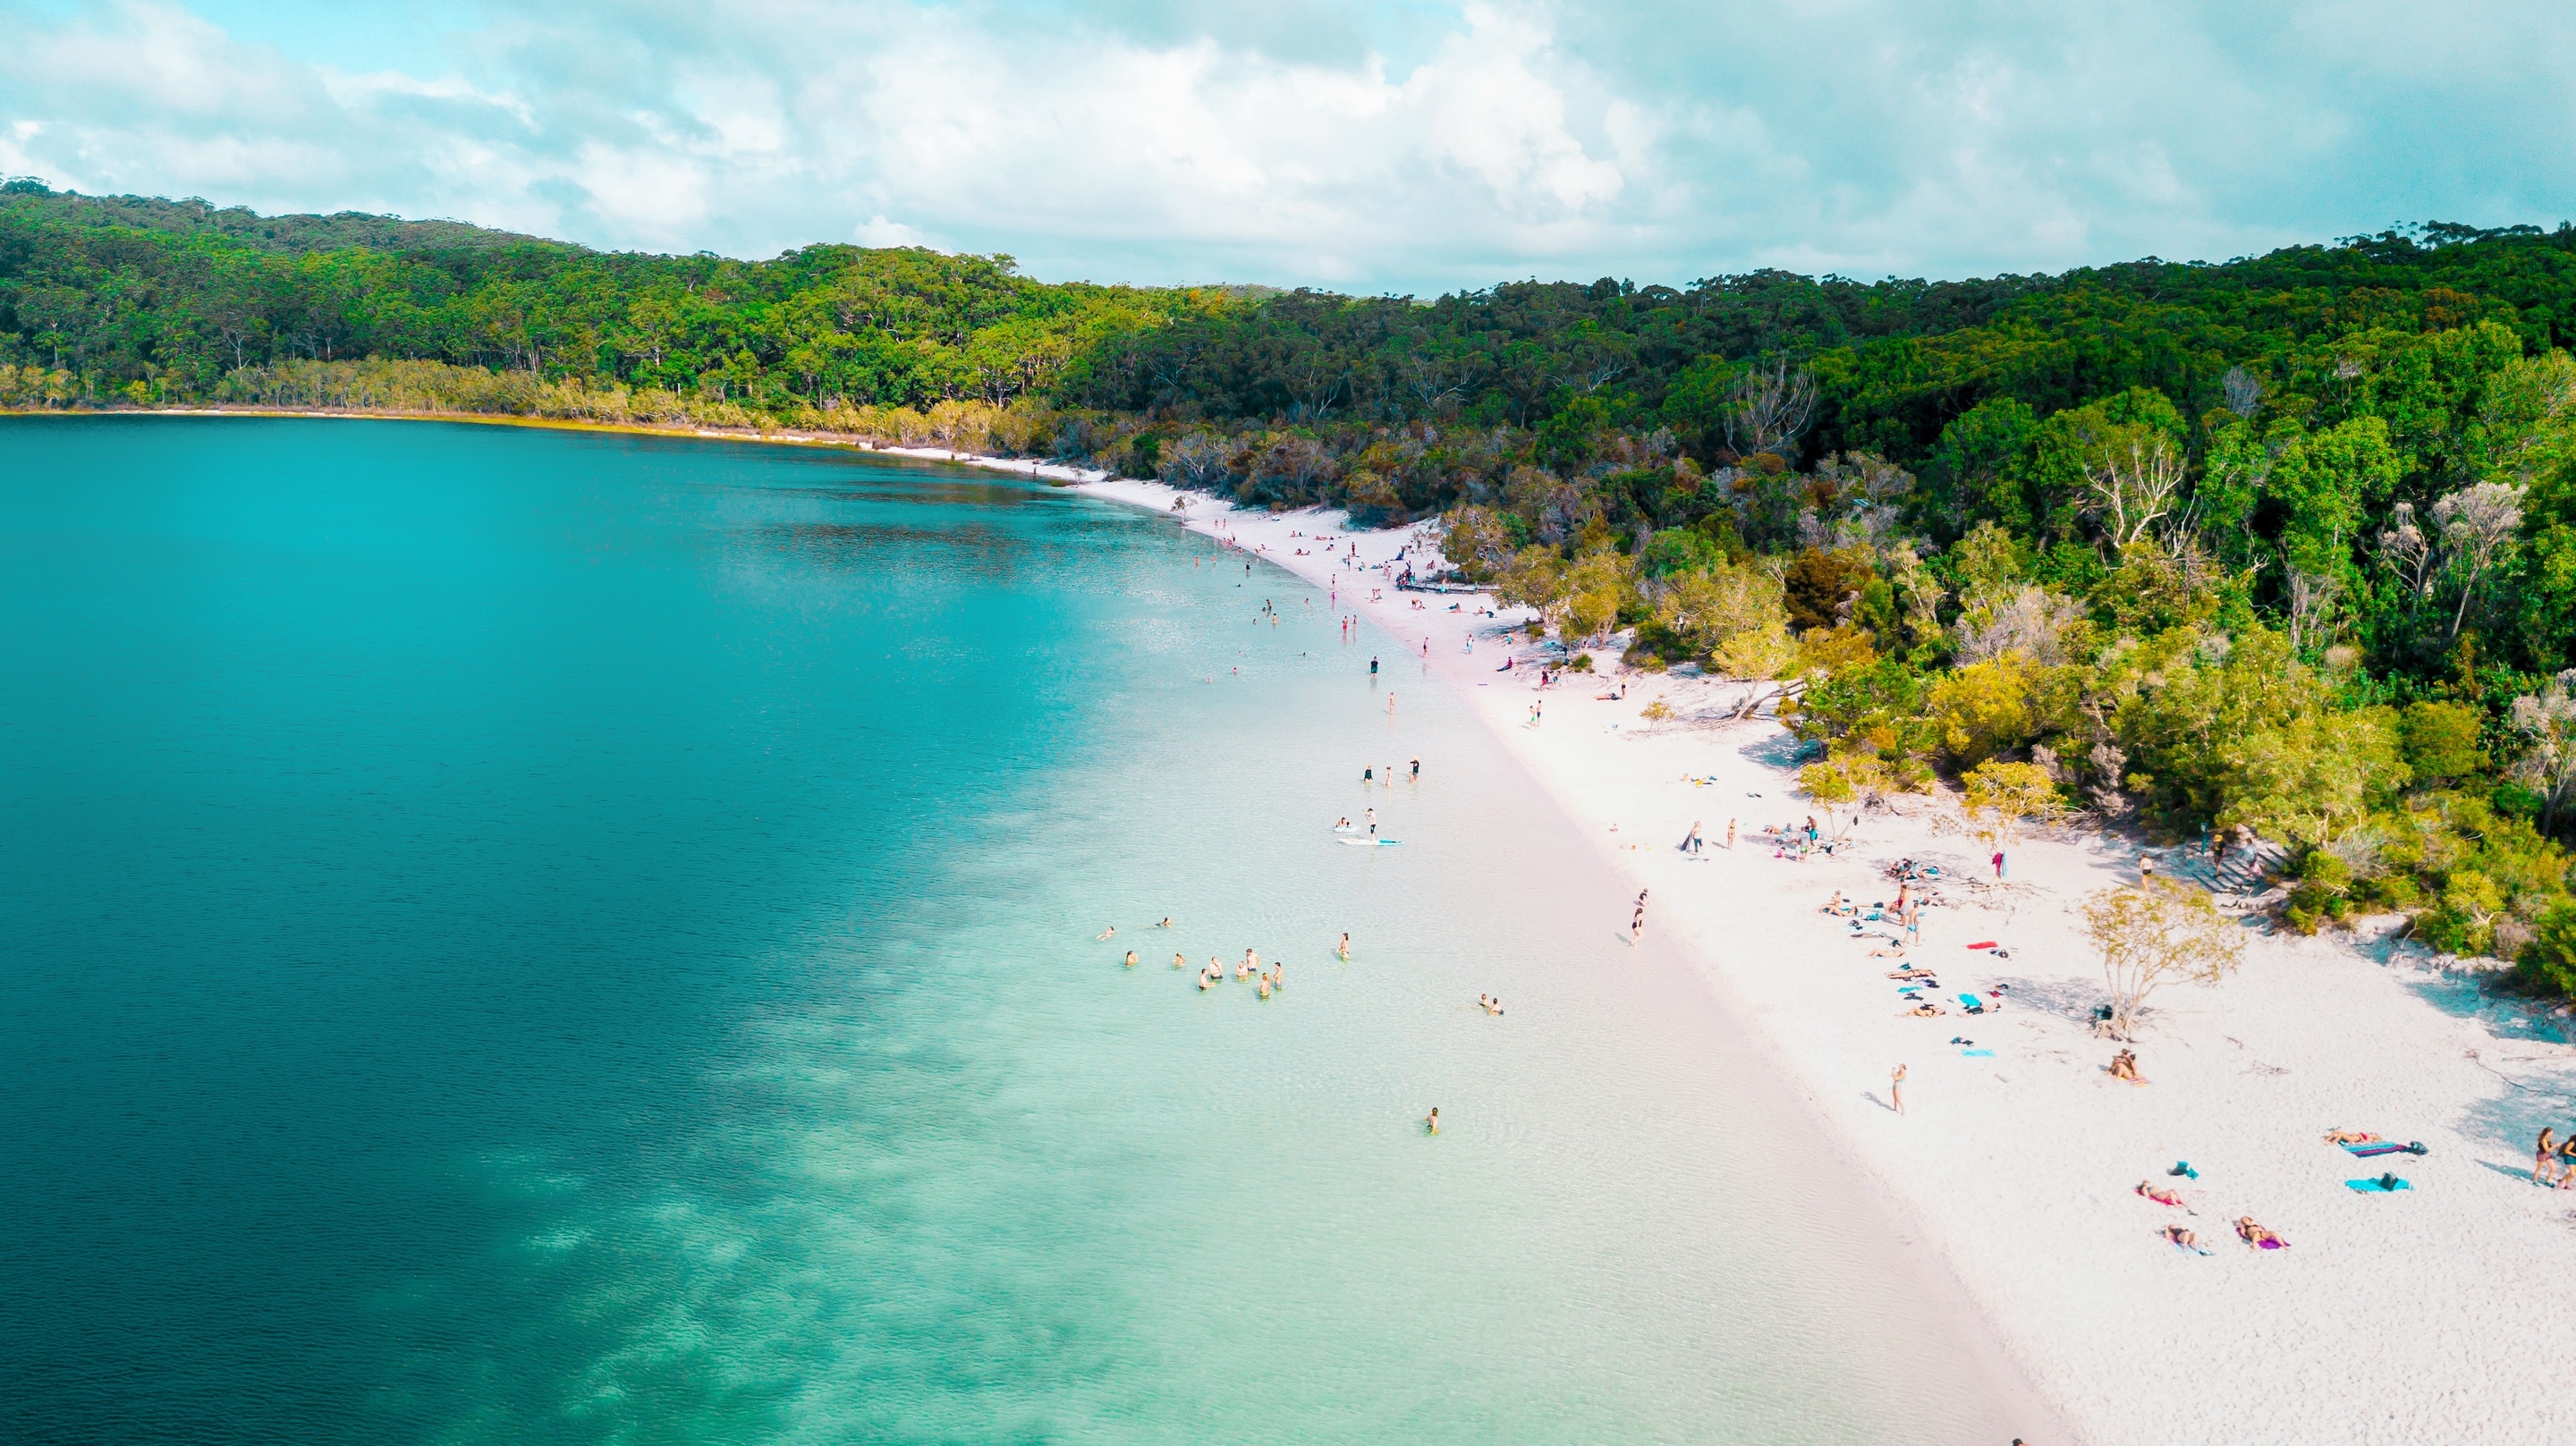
{"x": 1975, "y": 1005}
{"x": 1976, "y": 1054}
{"x": 2374, "y": 1187}
{"x": 2383, "y": 1147}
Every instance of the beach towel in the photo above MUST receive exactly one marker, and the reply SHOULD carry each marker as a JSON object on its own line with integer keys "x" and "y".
{"x": 1975, "y": 1005}
{"x": 2274, "y": 1245}
{"x": 2382, "y": 1147}
{"x": 1976, "y": 1054}
{"x": 1983, "y": 944}
{"x": 2375, "y": 1187}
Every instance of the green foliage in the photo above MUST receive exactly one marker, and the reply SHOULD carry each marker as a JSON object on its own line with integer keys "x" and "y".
{"x": 2440, "y": 742}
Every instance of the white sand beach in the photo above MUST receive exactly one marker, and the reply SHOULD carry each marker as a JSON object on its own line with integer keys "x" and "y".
{"x": 2422, "y": 1316}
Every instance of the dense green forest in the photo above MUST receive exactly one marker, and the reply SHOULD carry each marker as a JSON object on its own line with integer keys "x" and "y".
{"x": 2280, "y": 547}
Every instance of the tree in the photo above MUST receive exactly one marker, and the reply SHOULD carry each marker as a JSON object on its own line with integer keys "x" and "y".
{"x": 1770, "y": 409}
{"x": 1999, "y": 795}
{"x": 2440, "y": 741}
{"x": 2153, "y": 936}
{"x": 2300, "y": 780}
{"x": 2547, "y": 722}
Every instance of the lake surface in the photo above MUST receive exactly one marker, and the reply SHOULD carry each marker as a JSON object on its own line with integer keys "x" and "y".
{"x": 509, "y": 936}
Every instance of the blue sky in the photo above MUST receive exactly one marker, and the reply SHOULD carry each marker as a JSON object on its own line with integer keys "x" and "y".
{"x": 1409, "y": 148}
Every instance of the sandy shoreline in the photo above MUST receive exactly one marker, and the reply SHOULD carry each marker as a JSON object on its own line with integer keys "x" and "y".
{"x": 2429, "y": 1315}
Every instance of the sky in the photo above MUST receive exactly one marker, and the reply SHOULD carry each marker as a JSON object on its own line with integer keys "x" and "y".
{"x": 1401, "y": 148}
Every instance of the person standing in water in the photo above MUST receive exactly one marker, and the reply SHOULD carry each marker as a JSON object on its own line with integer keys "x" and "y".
{"x": 1131, "y": 958}
{"x": 1372, "y": 667}
{"x": 1417, "y": 770}
{"x": 1372, "y": 823}
{"x": 1345, "y": 950}
{"x": 1432, "y": 1125}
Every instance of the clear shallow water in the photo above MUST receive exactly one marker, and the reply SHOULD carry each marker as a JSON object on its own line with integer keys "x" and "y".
{"x": 523, "y": 937}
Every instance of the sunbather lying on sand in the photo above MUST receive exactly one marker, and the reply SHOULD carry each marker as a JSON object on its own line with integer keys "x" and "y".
{"x": 1889, "y": 951}
{"x": 2182, "y": 1238}
{"x": 2351, "y": 1137}
{"x": 1924, "y": 1009}
{"x": 2163, "y": 1196}
{"x": 2256, "y": 1236}
{"x": 1912, "y": 971}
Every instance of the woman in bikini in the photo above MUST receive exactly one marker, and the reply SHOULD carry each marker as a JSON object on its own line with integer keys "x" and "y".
{"x": 2544, "y": 1157}
{"x": 2357, "y": 1137}
{"x": 2256, "y": 1236}
{"x": 2165, "y": 1197}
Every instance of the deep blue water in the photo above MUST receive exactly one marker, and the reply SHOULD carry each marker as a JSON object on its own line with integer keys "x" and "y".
{"x": 508, "y": 936}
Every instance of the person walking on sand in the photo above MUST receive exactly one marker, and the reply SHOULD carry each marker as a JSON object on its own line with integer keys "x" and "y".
{"x": 1896, "y": 1089}
{"x": 2543, "y": 1157}
{"x": 1637, "y": 922}
{"x": 1690, "y": 845}
{"x": 1999, "y": 866}
{"x": 1730, "y": 835}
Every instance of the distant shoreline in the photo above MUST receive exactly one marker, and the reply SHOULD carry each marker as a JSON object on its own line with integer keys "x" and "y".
{"x": 840, "y": 441}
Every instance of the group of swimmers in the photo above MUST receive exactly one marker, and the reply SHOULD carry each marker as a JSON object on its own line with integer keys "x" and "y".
{"x": 1248, "y": 967}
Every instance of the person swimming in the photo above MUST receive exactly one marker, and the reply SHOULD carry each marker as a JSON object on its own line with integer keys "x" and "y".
{"x": 1104, "y": 934}
{"x": 1167, "y": 922}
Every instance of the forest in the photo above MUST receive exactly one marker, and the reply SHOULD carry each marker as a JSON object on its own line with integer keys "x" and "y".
{"x": 2280, "y": 548}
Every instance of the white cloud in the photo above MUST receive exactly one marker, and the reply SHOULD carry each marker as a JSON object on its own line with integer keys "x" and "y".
{"x": 1335, "y": 143}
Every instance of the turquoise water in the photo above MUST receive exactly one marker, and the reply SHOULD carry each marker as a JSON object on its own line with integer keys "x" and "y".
{"x": 516, "y": 937}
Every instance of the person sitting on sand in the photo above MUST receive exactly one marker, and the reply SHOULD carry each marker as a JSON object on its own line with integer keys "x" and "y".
{"x": 2124, "y": 1066}
{"x": 2256, "y": 1236}
{"x": 1834, "y": 905}
{"x": 2351, "y": 1137}
{"x": 2165, "y": 1197}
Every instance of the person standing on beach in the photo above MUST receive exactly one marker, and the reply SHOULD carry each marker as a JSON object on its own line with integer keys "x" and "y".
{"x": 1730, "y": 835}
{"x": 1999, "y": 866}
{"x": 1896, "y": 1089}
{"x": 1690, "y": 845}
{"x": 1637, "y": 921}
{"x": 2541, "y": 1158}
